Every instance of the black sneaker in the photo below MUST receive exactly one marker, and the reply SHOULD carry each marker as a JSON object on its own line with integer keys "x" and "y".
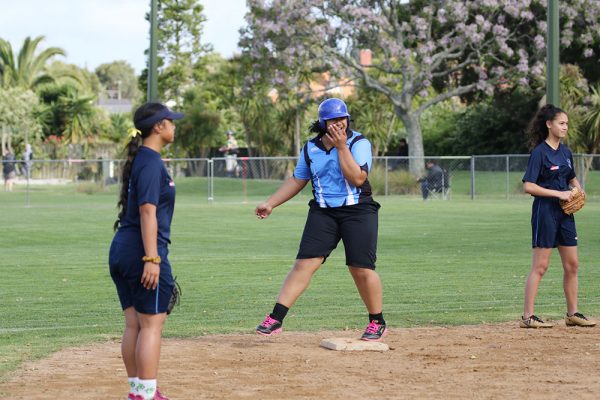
{"x": 269, "y": 326}
{"x": 375, "y": 332}
{"x": 578, "y": 319}
{"x": 534, "y": 322}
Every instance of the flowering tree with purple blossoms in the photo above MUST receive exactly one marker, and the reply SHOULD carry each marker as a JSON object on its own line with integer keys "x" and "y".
{"x": 279, "y": 59}
{"x": 424, "y": 52}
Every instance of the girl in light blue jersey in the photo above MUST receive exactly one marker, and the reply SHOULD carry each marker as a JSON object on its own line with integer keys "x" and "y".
{"x": 337, "y": 163}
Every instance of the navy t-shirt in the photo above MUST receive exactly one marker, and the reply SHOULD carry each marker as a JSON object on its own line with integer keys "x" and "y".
{"x": 549, "y": 168}
{"x": 149, "y": 183}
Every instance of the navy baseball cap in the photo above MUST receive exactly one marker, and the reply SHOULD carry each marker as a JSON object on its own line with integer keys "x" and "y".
{"x": 163, "y": 113}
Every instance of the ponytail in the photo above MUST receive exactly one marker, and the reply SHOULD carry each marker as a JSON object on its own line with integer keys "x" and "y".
{"x": 316, "y": 127}
{"x": 132, "y": 148}
{"x": 537, "y": 129}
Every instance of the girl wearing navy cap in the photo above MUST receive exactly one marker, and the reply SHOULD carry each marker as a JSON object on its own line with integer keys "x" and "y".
{"x": 337, "y": 162}
{"x": 138, "y": 259}
{"x": 549, "y": 177}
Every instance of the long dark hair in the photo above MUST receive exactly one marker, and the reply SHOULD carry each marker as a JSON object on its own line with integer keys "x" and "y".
{"x": 145, "y": 111}
{"x": 315, "y": 127}
{"x": 537, "y": 130}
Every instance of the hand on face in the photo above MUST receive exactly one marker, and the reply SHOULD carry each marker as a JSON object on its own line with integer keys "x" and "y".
{"x": 336, "y": 131}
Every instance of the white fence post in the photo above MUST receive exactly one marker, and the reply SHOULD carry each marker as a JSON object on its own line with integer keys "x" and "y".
{"x": 211, "y": 177}
{"x": 472, "y": 177}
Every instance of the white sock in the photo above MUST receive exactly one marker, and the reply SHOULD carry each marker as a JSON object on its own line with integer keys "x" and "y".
{"x": 132, "y": 384}
{"x": 146, "y": 388}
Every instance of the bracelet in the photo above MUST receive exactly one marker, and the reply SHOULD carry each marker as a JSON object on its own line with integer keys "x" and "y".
{"x": 154, "y": 260}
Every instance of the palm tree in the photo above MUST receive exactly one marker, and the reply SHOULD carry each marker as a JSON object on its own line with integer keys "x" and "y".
{"x": 589, "y": 136}
{"x": 65, "y": 109}
{"x": 573, "y": 91}
{"x": 79, "y": 115}
{"x": 119, "y": 124}
{"x": 591, "y": 120}
{"x": 584, "y": 119}
{"x": 28, "y": 69}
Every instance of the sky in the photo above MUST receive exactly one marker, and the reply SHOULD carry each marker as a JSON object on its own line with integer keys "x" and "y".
{"x": 94, "y": 32}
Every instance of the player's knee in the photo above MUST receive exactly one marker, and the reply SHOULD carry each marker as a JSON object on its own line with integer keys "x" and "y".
{"x": 308, "y": 264}
{"x": 540, "y": 269}
{"x": 363, "y": 274}
{"x": 571, "y": 268}
{"x": 132, "y": 325}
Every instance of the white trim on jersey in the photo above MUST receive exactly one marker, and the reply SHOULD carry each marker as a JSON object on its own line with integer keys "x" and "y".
{"x": 350, "y": 198}
{"x": 319, "y": 193}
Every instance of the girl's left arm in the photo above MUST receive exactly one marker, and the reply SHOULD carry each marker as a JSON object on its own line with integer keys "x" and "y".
{"x": 149, "y": 228}
{"x": 575, "y": 183}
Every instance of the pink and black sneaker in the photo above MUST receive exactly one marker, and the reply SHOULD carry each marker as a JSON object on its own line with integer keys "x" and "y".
{"x": 375, "y": 332}
{"x": 269, "y": 326}
{"x": 158, "y": 395}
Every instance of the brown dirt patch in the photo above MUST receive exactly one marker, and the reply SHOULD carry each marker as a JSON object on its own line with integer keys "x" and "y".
{"x": 466, "y": 362}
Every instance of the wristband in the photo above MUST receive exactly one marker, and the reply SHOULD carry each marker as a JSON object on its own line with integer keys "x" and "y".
{"x": 154, "y": 260}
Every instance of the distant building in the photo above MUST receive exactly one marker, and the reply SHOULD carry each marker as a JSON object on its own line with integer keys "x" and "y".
{"x": 324, "y": 84}
{"x": 115, "y": 106}
{"x": 111, "y": 102}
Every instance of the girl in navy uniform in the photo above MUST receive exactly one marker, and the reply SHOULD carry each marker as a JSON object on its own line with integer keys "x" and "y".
{"x": 138, "y": 259}
{"x": 337, "y": 162}
{"x": 548, "y": 178}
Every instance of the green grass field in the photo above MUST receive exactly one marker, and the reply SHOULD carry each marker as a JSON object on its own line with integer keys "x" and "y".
{"x": 441, "y": 263}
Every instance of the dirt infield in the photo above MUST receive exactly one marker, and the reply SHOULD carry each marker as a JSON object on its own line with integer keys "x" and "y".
{"x": 466, "y": 362}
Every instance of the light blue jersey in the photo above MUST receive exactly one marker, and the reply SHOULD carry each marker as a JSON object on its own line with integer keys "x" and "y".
{"x": 322, "y": 167}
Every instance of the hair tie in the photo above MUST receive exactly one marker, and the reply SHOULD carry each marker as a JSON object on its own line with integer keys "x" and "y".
{"x": 133, "y": 132}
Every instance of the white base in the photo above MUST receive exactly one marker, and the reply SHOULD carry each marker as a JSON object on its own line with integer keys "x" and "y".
{"x": 347, "y": 344}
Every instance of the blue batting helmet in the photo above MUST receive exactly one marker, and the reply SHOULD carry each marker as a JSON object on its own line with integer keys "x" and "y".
{"x": 330, "y": 109}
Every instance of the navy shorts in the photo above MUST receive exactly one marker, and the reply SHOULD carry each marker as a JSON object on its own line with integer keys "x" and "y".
{"x": 126, "y": 268}
{"x": 550, "y": 226}
{"x": 356, "y": 225}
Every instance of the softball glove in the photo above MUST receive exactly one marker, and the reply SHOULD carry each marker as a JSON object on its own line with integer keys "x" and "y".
{"x": 575, "y": 204}
{"x": 175, "y": 297}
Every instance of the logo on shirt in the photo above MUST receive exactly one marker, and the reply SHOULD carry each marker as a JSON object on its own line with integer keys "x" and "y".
{"x": 554, "y": 168}
{"x": 314, "y": 150}
{"x": 171, "y": 183}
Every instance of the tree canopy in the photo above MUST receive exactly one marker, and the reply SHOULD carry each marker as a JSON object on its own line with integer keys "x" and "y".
{"x": 461, "y": 46}
{"x": 119, "y": 76}
{"x": 27, "y": 69}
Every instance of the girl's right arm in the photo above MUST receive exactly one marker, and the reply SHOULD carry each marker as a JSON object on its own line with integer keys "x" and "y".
{"x": 289, "y": 189}
{"x": 536, "y": 190}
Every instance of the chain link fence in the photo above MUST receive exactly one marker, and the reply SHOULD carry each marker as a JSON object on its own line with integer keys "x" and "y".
{"x": 235, "y": 179}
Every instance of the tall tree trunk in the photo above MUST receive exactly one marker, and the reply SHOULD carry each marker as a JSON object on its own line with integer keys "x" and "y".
{"x": 4, "y": 139}
{"x": 248, "y": 141}
{"x": 412, "y": 123}
{"x": 297, "y": 134}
